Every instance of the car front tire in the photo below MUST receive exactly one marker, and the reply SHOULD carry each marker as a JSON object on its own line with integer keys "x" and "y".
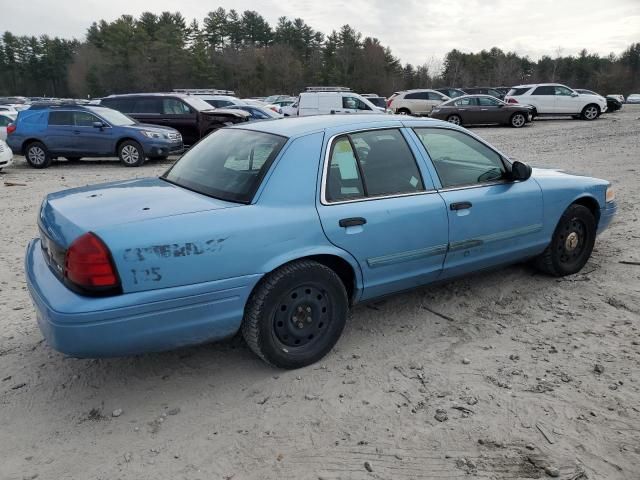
{"x": 131, "y": 153}
{"x": 590, "y": 112}
{"x": 518, "y": 120}
{"x": 37, "y": 155}
{"x": 296, "y": 314}
{"x": 571, "y": 244}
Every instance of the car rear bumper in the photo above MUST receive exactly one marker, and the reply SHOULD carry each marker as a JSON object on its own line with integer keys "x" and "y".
{"x": 133, "y": 323}
{"x": 6, "y": 158}
{"x": 606, "y": 216}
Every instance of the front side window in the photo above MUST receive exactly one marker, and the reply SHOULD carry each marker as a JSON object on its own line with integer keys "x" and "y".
{"x": 564, "y": 91}
{"x": 228, "y": 164}
{"x": 173, "y": 106}
{"x": 84, "y": 119}
{"x": 460, "y": 159}
{"x": 434, "y": 96}
{"x": 372, "y": 164}
{"x": 61, "y": 118}
{"x": 354, "y": 103}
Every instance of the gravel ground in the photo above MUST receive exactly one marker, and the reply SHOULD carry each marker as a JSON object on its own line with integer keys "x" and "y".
{"x": 504, "y": 375}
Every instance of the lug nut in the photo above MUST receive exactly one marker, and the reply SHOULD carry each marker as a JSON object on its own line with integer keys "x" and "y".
{"x": 308, "y": 309}
{"x": 309, "y": 319}
{"x": 300, "y": 325}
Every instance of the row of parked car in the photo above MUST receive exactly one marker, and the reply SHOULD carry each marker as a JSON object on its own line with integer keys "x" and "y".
{"x": 148, "y": 126}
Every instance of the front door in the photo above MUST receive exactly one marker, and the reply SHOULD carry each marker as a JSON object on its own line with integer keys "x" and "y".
{"x": 492, "y": 220}
{"x": 490, "y": 110}
{"x": 381, "y": 207}
{"x": 89, "y": 139}
{"x": 566, "y": 102}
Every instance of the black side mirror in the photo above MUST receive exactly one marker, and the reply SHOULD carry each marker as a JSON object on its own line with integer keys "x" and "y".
{"x": 520, "y": 171}
{"x": 98, "y": 125}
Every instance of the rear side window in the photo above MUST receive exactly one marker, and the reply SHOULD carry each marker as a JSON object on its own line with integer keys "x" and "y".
{"x": 417, "y": 96}
{"x": 147, "y": 105}
{"x": 371, "y": 164}
{"x": 125, "y": 105}
{"x": 460, "y": 159}
{"x": 228, "y": 164}
{"x": 515, "y": 92}
{"x": 61, "y": 118}
{"x": 544, "y": 90}
{"x": 466, "y": 102}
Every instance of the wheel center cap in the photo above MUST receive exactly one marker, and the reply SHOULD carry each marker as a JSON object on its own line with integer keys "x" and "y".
{"x": 302, "y": 316}
{"x": 571, "y": 242}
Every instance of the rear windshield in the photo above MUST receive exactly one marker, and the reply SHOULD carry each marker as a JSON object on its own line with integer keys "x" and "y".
{"x": 228, "y": 164}
{"x": 514, "y": 92}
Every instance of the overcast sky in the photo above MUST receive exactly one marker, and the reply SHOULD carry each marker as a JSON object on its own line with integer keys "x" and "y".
{"x": 416, "y": 30}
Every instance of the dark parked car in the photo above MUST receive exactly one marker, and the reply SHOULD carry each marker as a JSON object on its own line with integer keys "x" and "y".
{"x": 484, "y": 91}
{"x": 451, "y": 92}
{"x": 191, "y": 116}
{"x": 45, "y": 132}
{"x": 482, "y": 109}
{"x": 613, "y": 104}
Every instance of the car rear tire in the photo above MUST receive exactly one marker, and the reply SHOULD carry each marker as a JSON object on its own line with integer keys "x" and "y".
{"x": 590, "y": 112}
{"x": 131, "y": 153}
{"x": 455, "y": 119}
{"x": 518, "y": 120}
{"x": 37, "y": 155}
{"x": 296, "y": 314}
{"x": 72, "y": 159}
{"x": 403, "y": 111}
{"x": 571, "y": 244}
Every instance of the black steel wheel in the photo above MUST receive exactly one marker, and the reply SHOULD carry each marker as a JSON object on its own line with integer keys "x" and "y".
{"x": 571, "y": 244}
{"x": 296, "y": 314}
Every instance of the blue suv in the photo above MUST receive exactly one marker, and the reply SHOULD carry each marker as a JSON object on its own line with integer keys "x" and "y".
{"x": 46, "y": 132}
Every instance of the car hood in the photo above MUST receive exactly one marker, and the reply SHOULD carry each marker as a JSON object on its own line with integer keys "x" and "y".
{"x": 225, "y": 112}
{"x": 147, "y": 127}
{"x": 68, "y": 214}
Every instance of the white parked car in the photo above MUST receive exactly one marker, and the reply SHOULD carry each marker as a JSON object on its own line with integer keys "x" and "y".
{"x": 6, "y": 118}
{"x": 331, "y": 100}
{"x": 556, "y": 99}
{"x": 633, "y": 98}
{"x": 617, "y": 96}
{"x": 6, "y": 155}
{"x": 416, "y": 102}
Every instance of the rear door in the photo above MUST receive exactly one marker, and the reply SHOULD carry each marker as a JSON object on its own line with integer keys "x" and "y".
{"x": 59, "y": 136}
{"x": 544, "y": 99}
{"x": 467, "y": 109}
{"x": 379, "y": 204}
{"x": 417, "y": 102}
{"x": 492, "y": 220}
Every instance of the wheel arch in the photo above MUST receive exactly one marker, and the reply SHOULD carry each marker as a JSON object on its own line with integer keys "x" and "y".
{"x": 345, "y": 266}
{"x": 591, "y": 203}
{"x": 125, "y": 139}
{"x": 28, "y": 142}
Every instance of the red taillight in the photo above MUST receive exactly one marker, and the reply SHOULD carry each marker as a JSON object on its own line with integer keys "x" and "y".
{"x": 389, "y": 102}
{"x": 88, "y": 264}
{"x": 511, "y": 100}
{"x": 11, "y": 128}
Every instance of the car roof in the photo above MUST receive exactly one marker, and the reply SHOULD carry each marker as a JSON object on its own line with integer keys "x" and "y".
{"x": 299, "y": 126}
{"x": 167, "y": 94}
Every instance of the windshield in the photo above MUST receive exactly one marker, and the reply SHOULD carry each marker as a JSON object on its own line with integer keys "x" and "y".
{"x": 196, "y": 102}
{"x": 114, "y": 117}
{"x": 228, "y": 164}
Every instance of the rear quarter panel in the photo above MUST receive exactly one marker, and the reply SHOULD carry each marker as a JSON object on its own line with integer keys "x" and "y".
{"x": 282, "y": 225}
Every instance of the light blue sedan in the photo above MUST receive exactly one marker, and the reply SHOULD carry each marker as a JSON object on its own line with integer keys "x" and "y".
{"x": 277, "y": 228}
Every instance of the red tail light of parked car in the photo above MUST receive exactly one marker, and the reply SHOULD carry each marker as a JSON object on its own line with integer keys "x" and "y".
{"x": 88, "y": 264}
{"x": 11, "y": 128}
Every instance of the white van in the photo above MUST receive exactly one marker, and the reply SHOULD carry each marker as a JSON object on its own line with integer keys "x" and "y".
{"x": 328, "y": 100}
